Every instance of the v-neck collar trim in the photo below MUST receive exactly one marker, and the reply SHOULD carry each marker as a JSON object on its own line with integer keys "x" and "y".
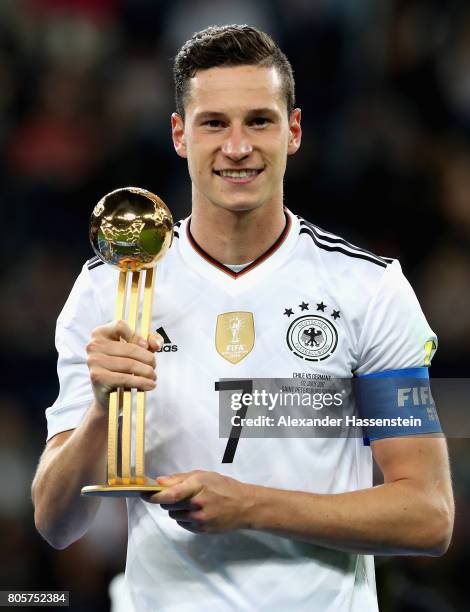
{"x": 223, "y": 268}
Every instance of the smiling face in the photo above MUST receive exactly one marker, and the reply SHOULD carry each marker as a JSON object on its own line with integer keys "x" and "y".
{"x": 236, "y": 136}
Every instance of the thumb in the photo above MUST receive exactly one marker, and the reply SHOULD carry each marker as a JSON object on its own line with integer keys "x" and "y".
{"x": 169, "y": 481}
{"x": 155, "y": 341}
{"x": 121, "y": 330}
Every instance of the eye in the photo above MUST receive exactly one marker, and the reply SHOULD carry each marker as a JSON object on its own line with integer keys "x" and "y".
{"x": 260, "y": 121}
{"x": 213, "y": 123}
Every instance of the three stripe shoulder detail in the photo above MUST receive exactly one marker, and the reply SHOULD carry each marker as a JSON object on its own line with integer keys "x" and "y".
{"x": 94, "y": 262}
{"x": 176, "y": 227}
{"x": 329, "y": 242}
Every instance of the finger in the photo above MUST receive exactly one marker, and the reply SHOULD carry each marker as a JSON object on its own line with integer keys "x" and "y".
{"x": 182, "y": 491}
{"x": 155, "y": 341}
{"x": 183, "y": 516}
{"x": 113, "y": 380}
{"x": 121, "y": 349}
{"x": 123, "y": 365}
{"x": 148, "y": 497}
{"x": 185, "y": 504}
{"x": 120, "y": 330}
{"x": 169, "y": 481}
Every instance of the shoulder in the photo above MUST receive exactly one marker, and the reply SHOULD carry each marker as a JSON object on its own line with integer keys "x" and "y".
{"x": 177, "y": 228}
{"x": 94, "y": 289}
{"x": 97, "y": 274}
{"x": 338, "y": 250}
{"x": 350, "y": 271}
{"x": 353, "y": 269}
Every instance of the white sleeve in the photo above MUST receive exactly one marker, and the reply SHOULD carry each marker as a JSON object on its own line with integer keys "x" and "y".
{"x": 395, "y": 333}
{"x": 80, "y": 315}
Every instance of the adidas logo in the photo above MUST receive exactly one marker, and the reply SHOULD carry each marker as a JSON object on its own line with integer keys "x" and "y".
{"x": 168, "y": 346}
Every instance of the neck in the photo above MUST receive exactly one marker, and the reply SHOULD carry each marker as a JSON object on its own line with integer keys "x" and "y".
{"x": 236, "y": 237}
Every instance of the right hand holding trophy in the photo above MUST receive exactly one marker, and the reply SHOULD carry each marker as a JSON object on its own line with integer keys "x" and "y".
{"x": 132, "y": 230}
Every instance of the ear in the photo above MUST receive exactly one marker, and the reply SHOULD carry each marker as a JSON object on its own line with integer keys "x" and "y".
{"x": 295, "y": 131}
{"x": 177, "y": 133}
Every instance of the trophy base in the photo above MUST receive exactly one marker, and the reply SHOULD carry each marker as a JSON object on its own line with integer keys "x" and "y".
{"x": 128, "y": 490}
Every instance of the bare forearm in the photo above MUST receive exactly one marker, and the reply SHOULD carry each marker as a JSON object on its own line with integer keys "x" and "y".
{"x": 61, "y": 514}
{"x": 390, "y": 519}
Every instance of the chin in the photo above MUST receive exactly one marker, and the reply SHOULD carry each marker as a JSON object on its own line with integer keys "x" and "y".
{"x": 239, "y": 206}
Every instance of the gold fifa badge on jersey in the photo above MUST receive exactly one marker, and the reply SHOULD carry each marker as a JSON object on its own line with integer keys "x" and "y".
{"x": 235, "y": 335}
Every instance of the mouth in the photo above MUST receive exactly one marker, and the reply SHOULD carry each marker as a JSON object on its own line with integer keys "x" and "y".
{"x": 242, "y": 176}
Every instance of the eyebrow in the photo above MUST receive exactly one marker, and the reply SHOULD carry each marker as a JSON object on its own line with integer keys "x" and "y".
{"x": 250, "y": 114}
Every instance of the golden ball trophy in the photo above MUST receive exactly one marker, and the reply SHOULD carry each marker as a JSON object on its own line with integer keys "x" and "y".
{"x": 130, "y": 229}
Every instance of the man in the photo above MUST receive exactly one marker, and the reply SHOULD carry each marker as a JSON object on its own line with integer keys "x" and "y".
{"x": 292, "y": 522}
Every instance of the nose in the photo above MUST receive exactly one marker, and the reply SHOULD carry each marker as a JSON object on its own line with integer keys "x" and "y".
{"x": 237, "y": 145}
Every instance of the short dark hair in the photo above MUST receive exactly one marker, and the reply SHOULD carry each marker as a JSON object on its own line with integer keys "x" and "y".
{"x": 229, "y": 45}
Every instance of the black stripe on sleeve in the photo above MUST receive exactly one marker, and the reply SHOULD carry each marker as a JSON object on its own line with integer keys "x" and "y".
{"x": 94, "y": 262}
{"x": 338, "y": 240}
{"x": 339, "y": 249}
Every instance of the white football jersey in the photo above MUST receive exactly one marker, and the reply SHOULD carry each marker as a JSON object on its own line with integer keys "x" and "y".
{"x": 219, "y": 324}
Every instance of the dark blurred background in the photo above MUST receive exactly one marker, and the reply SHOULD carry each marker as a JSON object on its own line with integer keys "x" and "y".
{"x": 85, "y": 99}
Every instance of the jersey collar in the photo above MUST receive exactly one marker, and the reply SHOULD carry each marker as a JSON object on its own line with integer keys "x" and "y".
{"x": 259, "y": 260}
{"x": 196, "y": 258}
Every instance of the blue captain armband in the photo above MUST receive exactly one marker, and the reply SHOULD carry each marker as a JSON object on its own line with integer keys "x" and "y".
{"x": 396, "y": 403}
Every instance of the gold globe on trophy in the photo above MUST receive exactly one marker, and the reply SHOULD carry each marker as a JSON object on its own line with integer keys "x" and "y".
{"x": 130, "y": 229}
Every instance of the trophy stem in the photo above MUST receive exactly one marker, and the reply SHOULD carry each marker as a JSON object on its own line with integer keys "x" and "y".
{"x": 127, "y": 394}
{"x": 113, "y": 477}
{"x": 139, "y": 438}
{"x": 145, "y": 323}
{"x": 115, "y": 397}
{"x": 127, "y": 485}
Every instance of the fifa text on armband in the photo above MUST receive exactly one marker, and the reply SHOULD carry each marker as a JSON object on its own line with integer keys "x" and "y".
{"x": 418, "y": 396}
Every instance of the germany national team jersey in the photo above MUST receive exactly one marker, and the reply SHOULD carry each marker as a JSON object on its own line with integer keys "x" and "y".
{"x": 314, "y": 304}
